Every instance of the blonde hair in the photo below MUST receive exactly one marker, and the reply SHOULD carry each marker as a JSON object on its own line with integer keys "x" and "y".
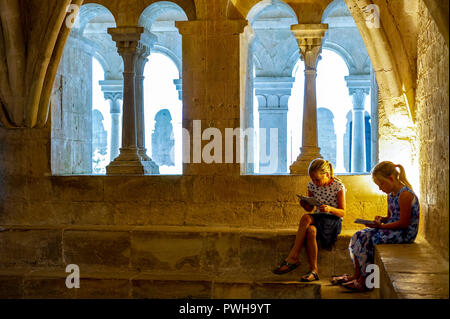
{"x": 386, "y": 169}
{"x": 321, "y": 166}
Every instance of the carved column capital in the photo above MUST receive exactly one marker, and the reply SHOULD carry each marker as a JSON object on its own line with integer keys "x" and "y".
{"x": 127, "y": 41}
{"x": 273, "y": 93}
{"x": 309, "y": 38}
{"x": 143, "y": 52}
{"x": 358, "y": 87}
{"x": 113, "y": 96}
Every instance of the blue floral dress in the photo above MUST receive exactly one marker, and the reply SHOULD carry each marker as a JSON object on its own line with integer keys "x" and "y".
{"x": 363, "y": 242}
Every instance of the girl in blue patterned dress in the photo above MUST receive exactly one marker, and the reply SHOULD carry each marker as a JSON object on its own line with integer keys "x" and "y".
{"x": 324, "y": 225}
{"x": 400, "y": 226}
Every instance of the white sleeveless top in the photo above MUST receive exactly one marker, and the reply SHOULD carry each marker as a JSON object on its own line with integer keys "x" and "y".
{"x": 327, "y": 195}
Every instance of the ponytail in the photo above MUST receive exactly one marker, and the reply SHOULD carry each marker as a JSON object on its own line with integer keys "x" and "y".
{"x": 386, "y": 169}
{"x": 402, "y": 176}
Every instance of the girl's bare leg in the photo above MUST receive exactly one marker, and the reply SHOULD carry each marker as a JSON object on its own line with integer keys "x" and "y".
{"x": 357, "y": 274}
{"x": 292, "y": 258}
{"x": 311, "y": 247}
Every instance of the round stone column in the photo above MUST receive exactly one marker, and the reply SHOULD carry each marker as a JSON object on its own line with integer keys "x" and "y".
{"x": 309, "y": 38}
{"x": 128, "y": 162}
{"x": 114, "y": 98}
{"x": 359, "y": 88}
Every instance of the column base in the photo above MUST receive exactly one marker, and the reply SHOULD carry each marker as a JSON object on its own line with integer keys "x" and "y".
{"x": 130, "y": 163}
{"x": 307, "y": 155}
{"x": 143, "y": 155}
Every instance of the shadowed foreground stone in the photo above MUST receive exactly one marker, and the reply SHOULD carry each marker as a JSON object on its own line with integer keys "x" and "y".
{"x": 413, "y": 271}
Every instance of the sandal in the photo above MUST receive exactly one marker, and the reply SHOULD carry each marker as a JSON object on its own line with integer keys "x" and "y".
{"x": 305, "y": 278}
{"x": 337, "y": 280}
{"x": 289, "y": 268}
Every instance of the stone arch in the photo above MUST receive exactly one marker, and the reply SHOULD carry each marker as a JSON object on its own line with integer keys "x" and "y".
{"x": 332, "y": 7}
{"x": 102, "y": 60}
{"x": 394, "y": 74}
{"x": 342, "y": 52}
{"x": 157, "y": 9}
{"x": 171, "y": 55}
{"x": 88, "y": 40}
{"x": 33, "y": 73}
{"x": 100, "y": 42}
{"x": 90, "y": 11}
{"x": 259, "y": 8}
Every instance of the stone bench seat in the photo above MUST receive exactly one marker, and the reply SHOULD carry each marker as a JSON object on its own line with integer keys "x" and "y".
{"x": 231, "y": 262}
{"x": 412, "y": 271}
{"x": 163, "y": 262}
{"x": 165, "y": 249}
{"x": 113, "y": 284}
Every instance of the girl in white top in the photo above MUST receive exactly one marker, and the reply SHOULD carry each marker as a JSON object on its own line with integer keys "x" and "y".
{"x": 324, "y": 225}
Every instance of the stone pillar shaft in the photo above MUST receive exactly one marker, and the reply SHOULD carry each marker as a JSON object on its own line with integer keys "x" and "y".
{"x": 113, "y": 91}
{"x": 211, "y": 94}
{"x": 129, "y": 162}
{"x": 143, "y": 52}
{"x": 309, "y": 38}
{"x": 359, "y": 88}
{"x": 115, "y": 124}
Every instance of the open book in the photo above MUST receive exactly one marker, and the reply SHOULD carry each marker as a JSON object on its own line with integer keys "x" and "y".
{"x": 364, "y": 222}
{"x": 310, "y": 200}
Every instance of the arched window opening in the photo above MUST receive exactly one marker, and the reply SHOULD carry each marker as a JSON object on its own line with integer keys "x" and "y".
{"x": 80, "y": 114}
{"x": 109, "y": 106}
{"x": 356, "y": 96}
{"x": 295, "y": 114}
{"x": 344, "y": 83}
{"x": 162, "y": 107}
{"x": 333, "y": 93}
{"x": 274, "y": 52}
{"x": 163, "y": 114}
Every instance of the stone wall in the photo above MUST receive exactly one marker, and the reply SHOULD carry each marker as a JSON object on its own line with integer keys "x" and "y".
{"x": 31, "y": 196}
{"x": 433, "y": 128}
{"x": 263, "y": 202}
{"x": 71, "y": 112}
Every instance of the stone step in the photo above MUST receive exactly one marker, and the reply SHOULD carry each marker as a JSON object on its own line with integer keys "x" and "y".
{"x": 51, "y": 283}
{"x": 224, "y": 252}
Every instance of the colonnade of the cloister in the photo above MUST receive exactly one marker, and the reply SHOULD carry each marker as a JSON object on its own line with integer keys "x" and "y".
{"x": 272, "y": 89}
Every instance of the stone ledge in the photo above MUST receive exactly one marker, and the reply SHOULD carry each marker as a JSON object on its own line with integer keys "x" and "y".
{"x": 50, "y": 283}
{"x": 224, "y": 252}
{"x": 164, "y": 228}
{"x": 412, "y": 271}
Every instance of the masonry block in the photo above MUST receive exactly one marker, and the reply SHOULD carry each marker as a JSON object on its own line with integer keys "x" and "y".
{"x": 97, "y": 248}
{"x": 30, "y": 248}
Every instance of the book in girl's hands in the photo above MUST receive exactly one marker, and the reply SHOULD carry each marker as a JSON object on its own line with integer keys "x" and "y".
{"x": 312, "y": 201}
{"x": 364, "y": 222}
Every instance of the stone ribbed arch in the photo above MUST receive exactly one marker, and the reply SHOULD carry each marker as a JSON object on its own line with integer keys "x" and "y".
{"x": 155, "y": 10}
{"x": 90, "y": 11}
{"x": 307, "y": 11}
{"x": 279, "y": 5}
{"x": 393, "y": 69}
{"x": 101, "y": 47}
{"x": 26, "y": 76}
